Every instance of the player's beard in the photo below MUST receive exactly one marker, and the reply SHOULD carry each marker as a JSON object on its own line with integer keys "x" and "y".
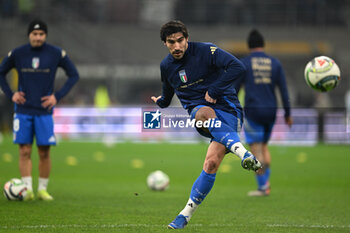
{"x": 178, "y": 54}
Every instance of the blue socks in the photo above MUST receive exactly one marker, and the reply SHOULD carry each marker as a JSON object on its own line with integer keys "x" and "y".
{"x": 202, "y": 187}
{"x": 224, "y": 134}
{"x": 267, "y": 174}
{"x": 263, "y": 179}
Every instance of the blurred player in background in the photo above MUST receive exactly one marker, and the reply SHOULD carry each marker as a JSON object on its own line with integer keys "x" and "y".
{"x": 263, "y": 74}
{"x": 36, "y": 64}
{"x": 202, "y": 76}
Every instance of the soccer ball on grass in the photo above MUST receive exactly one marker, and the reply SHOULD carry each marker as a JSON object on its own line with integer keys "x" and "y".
{"x": 322, "y": 74}
{"x": 158, "y": 181}
{"x": 15, "y": 190}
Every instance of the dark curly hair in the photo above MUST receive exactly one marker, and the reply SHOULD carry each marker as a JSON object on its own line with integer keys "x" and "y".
{"x": 172, "y": 27}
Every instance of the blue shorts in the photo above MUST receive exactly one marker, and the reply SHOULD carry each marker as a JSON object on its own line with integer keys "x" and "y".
{"x": 26, "y": 126}
{"x": 228, "y": 118}
{"x": 257, "y": 132}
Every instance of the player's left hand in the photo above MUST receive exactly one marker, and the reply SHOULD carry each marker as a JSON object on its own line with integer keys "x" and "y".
{"x": 209, "y": 99}
{"x": 48, "y": 101}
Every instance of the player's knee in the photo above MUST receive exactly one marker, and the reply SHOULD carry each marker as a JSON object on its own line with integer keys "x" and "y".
{"x": 210, "y": 166}
{"x": 44, "y": 156}
{"x": 44, "y": 152}
{"x": 25, "y": 155}
{"x": 205, "y": 113}
{"x": 25, "y": 151}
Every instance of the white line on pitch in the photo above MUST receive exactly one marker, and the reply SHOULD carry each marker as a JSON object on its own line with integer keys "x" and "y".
{"x": 158, "y": 225}
{"x": 307, "y": 226}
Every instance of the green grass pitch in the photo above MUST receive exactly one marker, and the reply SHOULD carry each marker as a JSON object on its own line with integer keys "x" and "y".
{"x": 103, "y": 189}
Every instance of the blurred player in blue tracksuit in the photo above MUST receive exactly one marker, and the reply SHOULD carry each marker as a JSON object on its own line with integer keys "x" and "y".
{"x": 203, "y": 76}
{"x": 36, "y": 64}
{"x": 263, "y": 74}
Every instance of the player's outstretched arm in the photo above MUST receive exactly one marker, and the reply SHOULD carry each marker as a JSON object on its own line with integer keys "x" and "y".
{"x": 164, "y": 100}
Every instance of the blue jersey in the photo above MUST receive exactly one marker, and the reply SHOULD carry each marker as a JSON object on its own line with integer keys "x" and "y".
{"x": 36, "y": 69}
{"x": 264, "y": 73}
{"x": 204, "y": 67}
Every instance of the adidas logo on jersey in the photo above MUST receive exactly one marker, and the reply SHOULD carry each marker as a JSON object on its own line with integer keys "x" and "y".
{"x": 213, "y": 49}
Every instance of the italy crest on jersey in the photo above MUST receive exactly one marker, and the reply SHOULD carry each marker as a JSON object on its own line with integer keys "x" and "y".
{"x": 35, "y": 62}
{"x": 183, "y": 76}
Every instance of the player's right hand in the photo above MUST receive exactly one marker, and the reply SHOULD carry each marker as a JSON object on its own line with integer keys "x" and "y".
{"x": 155, "y": 99}
{"x": 18, "y": 97}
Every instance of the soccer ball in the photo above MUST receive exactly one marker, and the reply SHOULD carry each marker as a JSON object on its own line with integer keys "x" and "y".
{"x": 322, "y": 74}
{"x": 15, "y": 190}
{"x": 158, "y": 181}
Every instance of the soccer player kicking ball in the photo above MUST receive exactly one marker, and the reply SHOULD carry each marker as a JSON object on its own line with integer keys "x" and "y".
{"x": 36, "y": 64}
{"x": 202, "y": 76}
